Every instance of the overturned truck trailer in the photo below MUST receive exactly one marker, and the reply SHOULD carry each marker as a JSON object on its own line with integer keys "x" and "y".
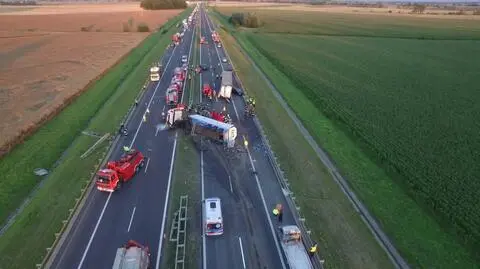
{"x": 214, "y": 129}
{"x": 202, "y": 125}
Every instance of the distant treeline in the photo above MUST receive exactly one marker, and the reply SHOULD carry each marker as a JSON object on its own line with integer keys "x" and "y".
{"x": 163, "y": 4}
{"x": 18, "y": 3}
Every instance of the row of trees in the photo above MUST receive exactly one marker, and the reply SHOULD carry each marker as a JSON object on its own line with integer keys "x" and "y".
{"x": 250, "y": 20}
{"x": 163, "y": 4}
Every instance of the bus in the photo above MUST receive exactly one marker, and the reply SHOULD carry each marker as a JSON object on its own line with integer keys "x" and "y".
{"x": 213, "y": 216}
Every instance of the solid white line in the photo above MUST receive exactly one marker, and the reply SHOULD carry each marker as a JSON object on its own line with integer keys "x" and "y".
{"x": 172, "y": 161}
{"x": 153, "y": 95}
{"x": 230, "y": 180}
{"x": 204, "y": 243}
{"x": 241, "y": 250}
{"x": 146, "y": 166}
{"x": 256, "y": 178}
{"x": 162, "y": 229}
{"x": 131, "y": 218}
{"x": 110, "y": 195}
{"x": 94, "y": 231}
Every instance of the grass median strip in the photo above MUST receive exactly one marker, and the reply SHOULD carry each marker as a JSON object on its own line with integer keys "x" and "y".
{"x": 100, "y": 109}
{"x": 186, "y": 181}
{"x": 344, "y": 239}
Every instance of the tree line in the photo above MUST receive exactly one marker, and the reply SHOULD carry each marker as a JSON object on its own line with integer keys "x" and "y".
{"x": 163, "y": 4}
{"x": 250, "y": 20}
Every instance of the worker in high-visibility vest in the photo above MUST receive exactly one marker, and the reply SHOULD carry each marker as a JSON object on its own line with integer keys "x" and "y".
{"x": 312, "y": 250}
{"x": 278, "y": 212}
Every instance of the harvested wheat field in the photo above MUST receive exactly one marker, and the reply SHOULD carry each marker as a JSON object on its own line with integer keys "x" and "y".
{"x": 45, "y": 58}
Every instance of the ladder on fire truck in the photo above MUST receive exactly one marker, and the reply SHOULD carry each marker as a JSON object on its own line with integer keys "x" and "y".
{"x": 178, "y": 232}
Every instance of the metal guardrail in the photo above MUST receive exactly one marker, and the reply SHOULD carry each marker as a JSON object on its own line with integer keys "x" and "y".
{"x": 181, "y": 233}
{"x": 282, "y": 180}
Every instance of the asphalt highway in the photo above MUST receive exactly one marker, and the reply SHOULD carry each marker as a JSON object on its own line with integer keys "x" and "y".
{"x": 138, "y": 210}
{"x": 247, "y": 199}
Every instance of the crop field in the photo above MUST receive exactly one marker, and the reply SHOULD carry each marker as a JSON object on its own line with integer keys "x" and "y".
{"x": 405, "y": 90}
{"x": 45, "y": 59}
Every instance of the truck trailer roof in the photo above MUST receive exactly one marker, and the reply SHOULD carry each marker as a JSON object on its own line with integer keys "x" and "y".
{"x": 227, "y": 78}
{"x": 201, "y": 120}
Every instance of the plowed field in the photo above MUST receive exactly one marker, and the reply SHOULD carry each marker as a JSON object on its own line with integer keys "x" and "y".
{"x": 45, "y": 57}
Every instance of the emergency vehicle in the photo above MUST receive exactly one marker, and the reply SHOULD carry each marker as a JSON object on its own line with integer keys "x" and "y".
{"x": 213, "y": 216}
{"x": 155, "y": 73}
{"x": 171, "y": 97}
{"x": 295, "y": 252}
{"x": 207, "y": 91}
{"x": 116, "y": 173}
{"x": 132, "y": 256}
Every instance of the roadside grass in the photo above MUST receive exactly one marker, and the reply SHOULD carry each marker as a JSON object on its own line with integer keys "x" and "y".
{"x": 345, "y": 241}
{"x": 186, "y": 181}
{"x": 361, "y": 25}
{"x": 100, "y": 109}
{"x": 416, "y": 235}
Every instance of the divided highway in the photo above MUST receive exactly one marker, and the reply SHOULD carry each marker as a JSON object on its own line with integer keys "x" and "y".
{"x": 247, "y": 198}
{"x": 138, "y": 211}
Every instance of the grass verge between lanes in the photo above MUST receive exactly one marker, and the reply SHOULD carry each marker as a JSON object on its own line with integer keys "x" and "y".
{"x": 100, "y": 109}
{"x": 186, "y": 180}
{"x": 416, "y": 235}
{"x": 345, "y": 241}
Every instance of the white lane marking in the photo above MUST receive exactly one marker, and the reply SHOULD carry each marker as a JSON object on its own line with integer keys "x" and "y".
{"x": 146, "y": 166}
{"x": 162, "y": 229}
{"x": 94, "y": 231}
{"x": 241, "y": 250}
{"x": 204, "y": 243}
{"x": 231, "y": 186}
{"x": 258, "y": 183}
{"x": 156, "y": 131}
{"x": 110, "y": 195}
{"x": 131, "y": 219}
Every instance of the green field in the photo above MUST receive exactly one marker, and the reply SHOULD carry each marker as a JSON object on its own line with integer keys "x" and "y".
{"x": 100, "y": 109}
{"x": 403, "y": 90}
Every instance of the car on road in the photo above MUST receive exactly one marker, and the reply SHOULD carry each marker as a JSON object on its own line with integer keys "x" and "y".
{"x": 238, "y": 91}
{"x": 185, "y": 67}
{"x": 184, "y": 58}
{"x": 224, "y": 60}
{"x": 204, "y": 67}
{"x": 219, "y": 45}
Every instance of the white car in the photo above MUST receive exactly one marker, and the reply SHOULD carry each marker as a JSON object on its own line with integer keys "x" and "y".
{"x": 224, "y": 60}
{"x": 219, "y": 45}
{"x": 184, "y": 58}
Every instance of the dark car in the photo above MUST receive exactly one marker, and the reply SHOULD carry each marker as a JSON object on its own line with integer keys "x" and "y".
{"x": 238, "y": 91}
{"x": 204, "y": 67}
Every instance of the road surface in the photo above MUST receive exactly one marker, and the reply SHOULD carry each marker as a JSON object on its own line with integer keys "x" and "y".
{"x": 248, "y": 240}
{"x": 138, "y": 210}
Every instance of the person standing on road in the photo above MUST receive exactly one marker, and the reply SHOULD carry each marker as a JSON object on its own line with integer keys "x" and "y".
{"x": 312, "y": 250}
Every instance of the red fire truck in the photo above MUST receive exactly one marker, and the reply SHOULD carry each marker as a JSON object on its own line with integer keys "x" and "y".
{"x": 215, "y": 37}
{"x": 116, "y": 173}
